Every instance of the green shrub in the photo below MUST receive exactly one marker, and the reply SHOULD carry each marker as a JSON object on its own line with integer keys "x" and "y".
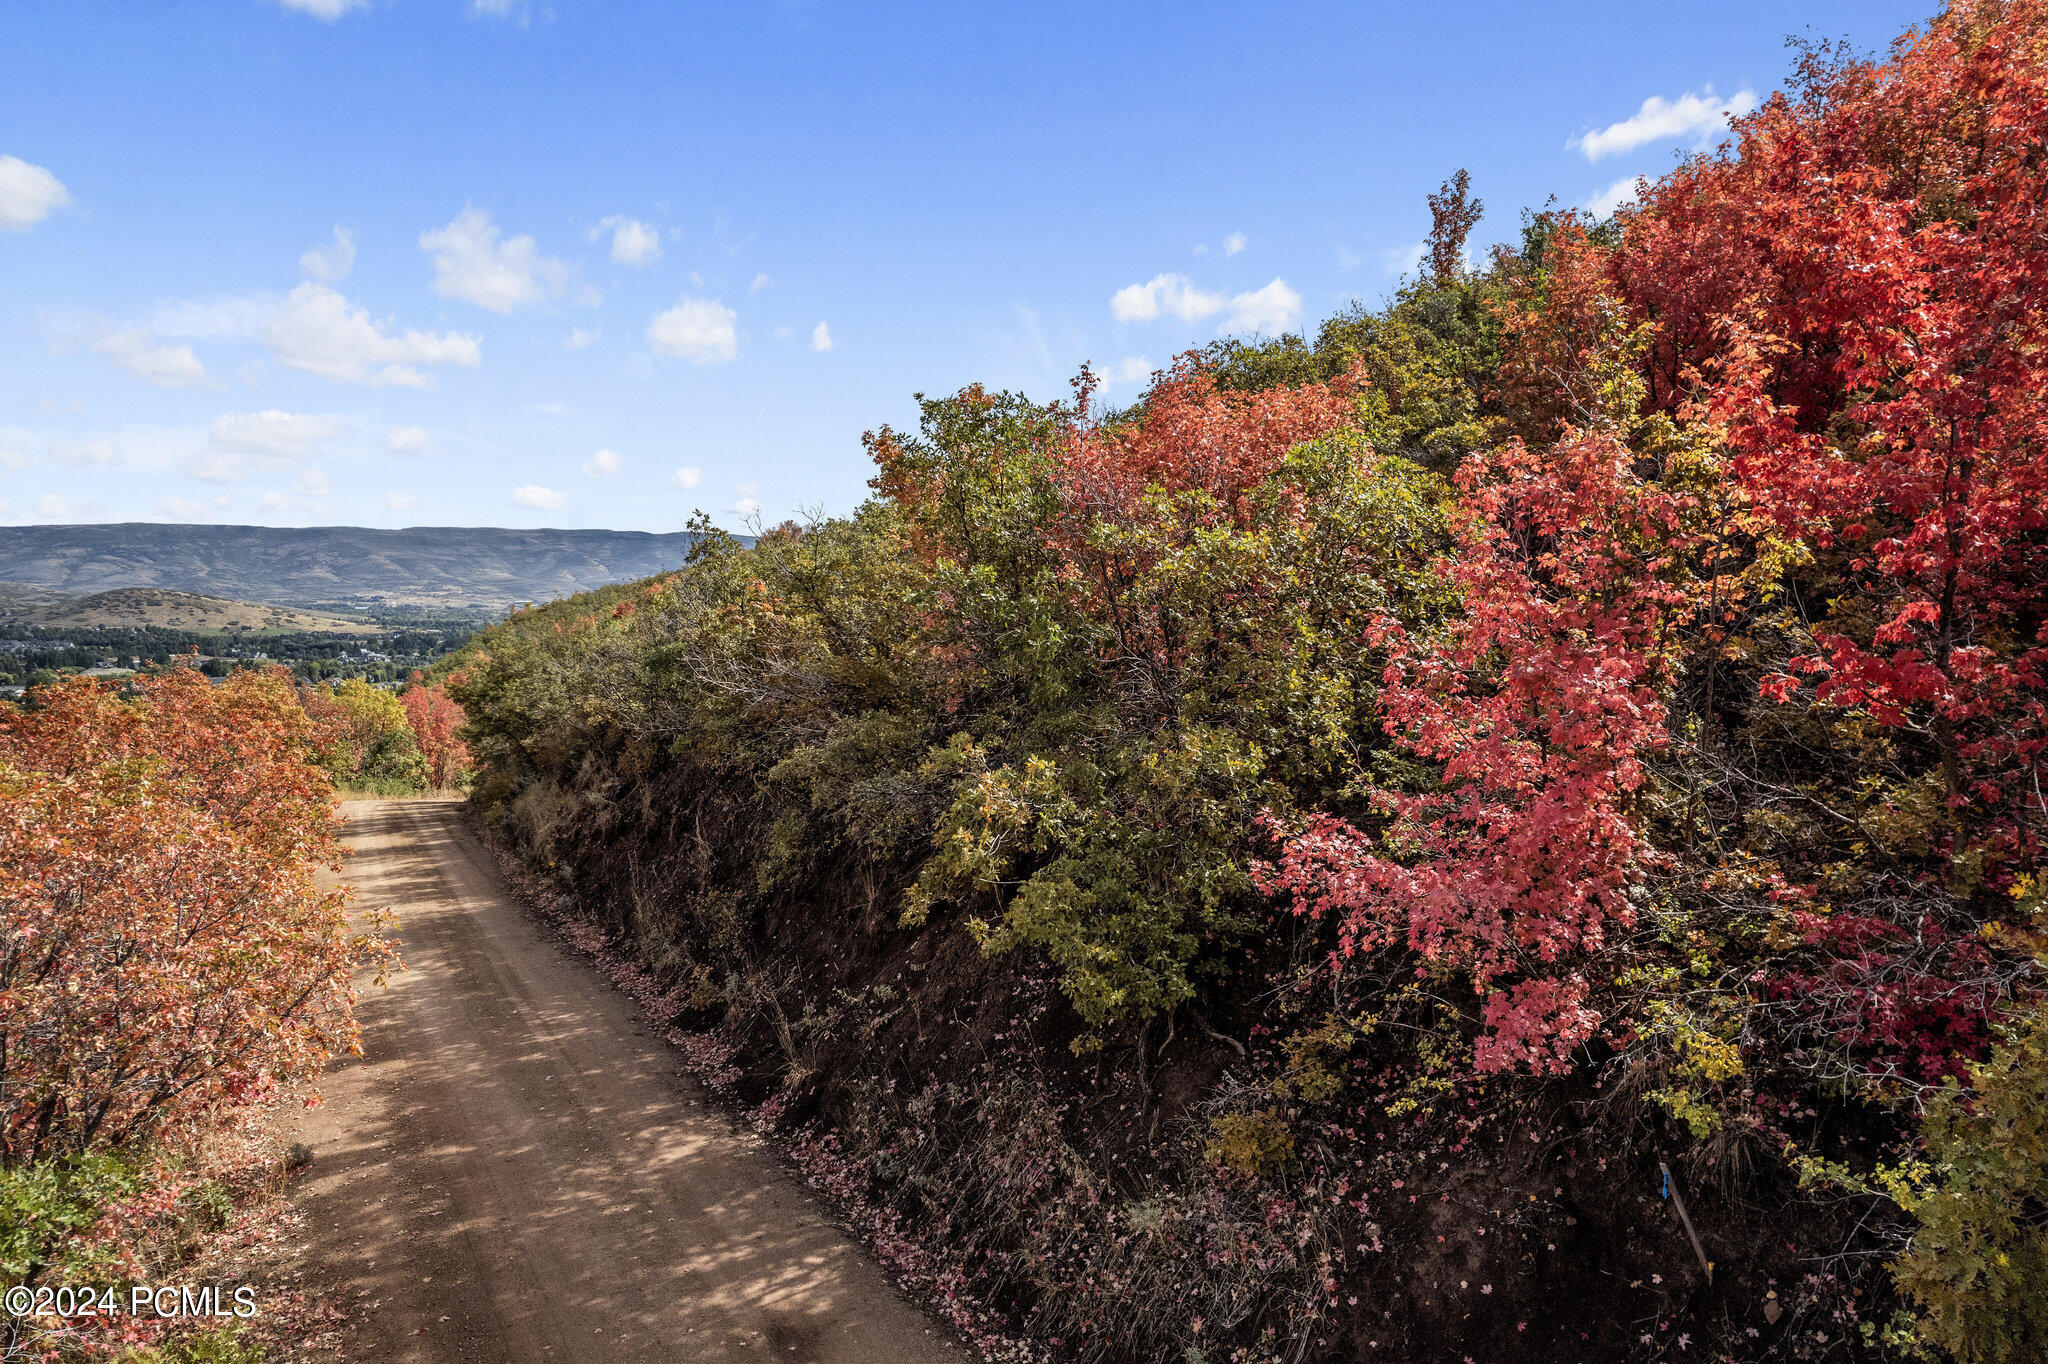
{"x": 45, "y": 1207}
{"x": 1978, "y": 1265}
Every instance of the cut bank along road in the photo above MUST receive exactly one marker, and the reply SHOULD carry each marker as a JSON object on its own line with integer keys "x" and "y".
{"x": 514, "y": 1170}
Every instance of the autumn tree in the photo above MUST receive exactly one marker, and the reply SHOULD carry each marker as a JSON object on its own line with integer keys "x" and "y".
{"x": 365, "y": 736}
{"x": 166, "y": 959}
{"x": 435, "y": 720}
{"x": 1453, "y": 213}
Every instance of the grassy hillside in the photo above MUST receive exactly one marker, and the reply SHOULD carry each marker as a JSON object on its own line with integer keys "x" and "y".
{"x": 130, "y": 608}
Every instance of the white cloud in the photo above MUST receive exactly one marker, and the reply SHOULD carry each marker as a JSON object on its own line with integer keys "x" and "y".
{"x": 277, "y": 504}
{"x": 472, "y": 264}
{"x": 1233, "y": 243}
{"x": 633, "y": 242}
{"x": 242, "y": 443}
{"x": 407, "y": 440}
{"x": 313, "y": 328}
{"x": 181, "y": 509}
{"x": 1129, "y": 370}
{"x": 603, "y": 464}
{"x": 747, "y": 506}
{"x": 312, "y": 483}
{"x": 134, "y": 446}
{"x": 53, "y": 508}
{"x": 320, "y": 332}
{"x": 761, "y": 281}
{"x": 333, "y": 260}
{"x": 1169, "y": 293}
{"x": 578, "y": 338}
{"x": 686, "y": 478}
{"x": 273, "y": 432}
{"x": 28, "y": 194}
{"x": 821, "y": 337}
{"x": 1622, "y": 191}
{"x": 698, "y": 329}
{"x": 1271, "y": 309}
{"x": 401, "y": 502}
{"x": 83, "y": 454}
{"x": 1403, "y": 260}
{"x": 166, "y": 366}
{"x": 747, "y": 489}
{"x": 1662, "y": 120}
{"x": 329, "y": 10}
{"x": 224, "y": 317}
{"x": 539, "y": 498}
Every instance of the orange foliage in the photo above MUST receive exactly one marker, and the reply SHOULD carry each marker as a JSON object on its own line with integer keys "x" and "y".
{"x": 166, "y": 960}
{"x": 436, "y": 720}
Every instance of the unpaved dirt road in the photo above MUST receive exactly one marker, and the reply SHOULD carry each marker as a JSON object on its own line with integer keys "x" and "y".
{"x": 515, "y": 1171}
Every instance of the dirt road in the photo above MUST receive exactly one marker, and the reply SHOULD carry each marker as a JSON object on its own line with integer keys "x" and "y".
{"x": 515, "y": 1171}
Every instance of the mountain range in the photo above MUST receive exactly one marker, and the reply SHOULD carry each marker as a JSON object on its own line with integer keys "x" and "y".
{"x": 454, "y": 567}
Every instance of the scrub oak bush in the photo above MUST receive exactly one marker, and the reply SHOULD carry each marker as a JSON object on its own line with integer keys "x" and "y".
{"x": 169, "y": 969}
{"x": 1620, "y": 661}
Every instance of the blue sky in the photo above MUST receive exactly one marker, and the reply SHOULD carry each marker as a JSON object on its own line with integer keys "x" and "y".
{"x": 484, "y": 262}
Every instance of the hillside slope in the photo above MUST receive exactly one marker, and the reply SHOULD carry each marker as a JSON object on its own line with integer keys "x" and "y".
{"x": 140, "y": 607}
{"x": 419, "y": 565}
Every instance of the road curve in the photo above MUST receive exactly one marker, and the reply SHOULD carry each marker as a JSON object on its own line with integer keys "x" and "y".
{"x": 514, "y": 1170}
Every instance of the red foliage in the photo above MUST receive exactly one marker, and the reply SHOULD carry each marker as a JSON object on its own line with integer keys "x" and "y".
{"x": 1131, "y": 493}
{"x": 1540, "y": 702}
{"x": 436, "y": 721}
{"x": 1193, "y": 437}
{"x": 1861, "y": 299}
{"x": 1854, "y": 301}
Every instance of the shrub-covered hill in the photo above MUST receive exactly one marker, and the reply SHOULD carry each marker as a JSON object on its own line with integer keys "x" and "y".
{"x": 1319, "y": 864}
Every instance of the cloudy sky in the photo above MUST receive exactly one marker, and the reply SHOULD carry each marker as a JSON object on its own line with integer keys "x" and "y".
{"x": 488, "y": 262}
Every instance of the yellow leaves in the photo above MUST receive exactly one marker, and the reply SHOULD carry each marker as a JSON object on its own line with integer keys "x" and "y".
{"x": 1256, "y": 1144}
{"x": 1315, "y": 1063}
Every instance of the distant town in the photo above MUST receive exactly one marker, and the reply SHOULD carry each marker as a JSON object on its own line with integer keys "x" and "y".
{"x": 33, "y": 655}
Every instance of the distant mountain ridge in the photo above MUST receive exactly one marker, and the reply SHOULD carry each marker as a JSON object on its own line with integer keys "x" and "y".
{"x": 443, "y": 566}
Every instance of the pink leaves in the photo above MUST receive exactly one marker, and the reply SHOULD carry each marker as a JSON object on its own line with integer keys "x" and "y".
{"x": 1540, "y": 702}
{"x": 1535, "y": 1023}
